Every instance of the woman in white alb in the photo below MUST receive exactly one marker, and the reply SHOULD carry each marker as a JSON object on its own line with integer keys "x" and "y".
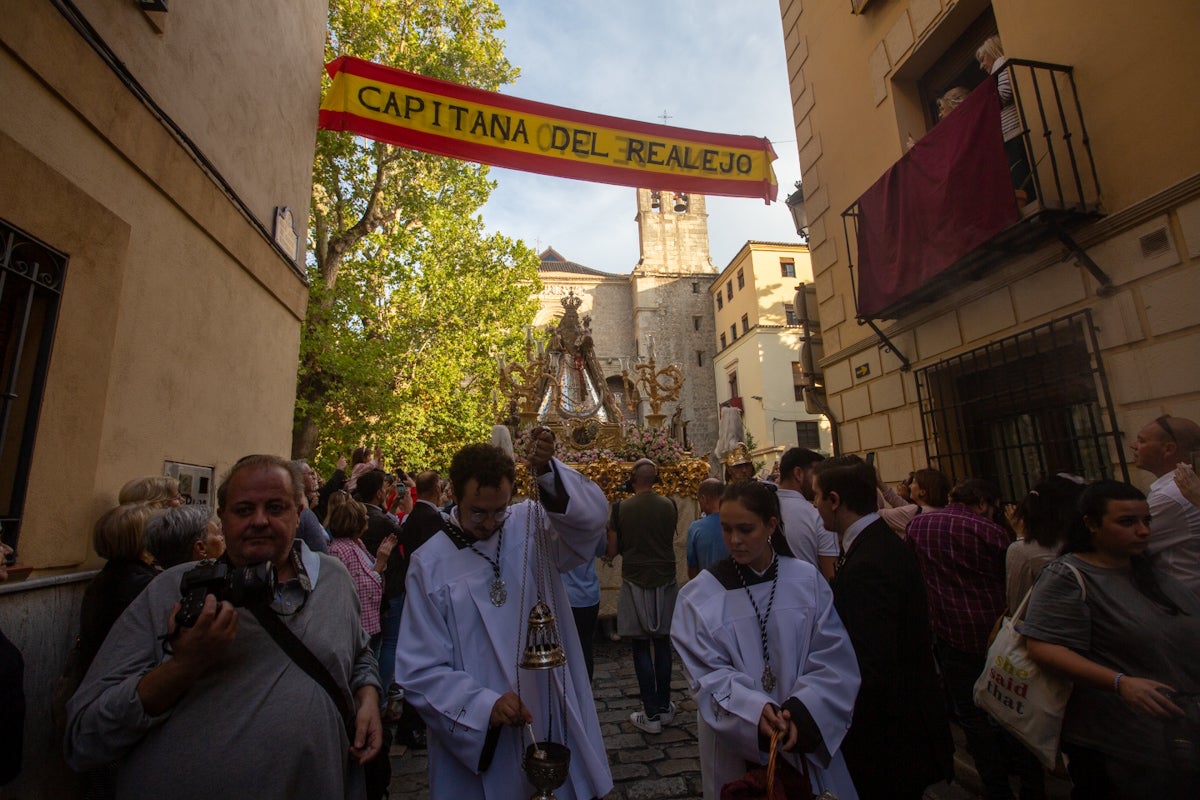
{"x": 765, "y": 651}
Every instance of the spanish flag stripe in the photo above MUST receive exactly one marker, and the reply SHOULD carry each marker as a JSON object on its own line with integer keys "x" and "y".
{"x": 439, "y": 117}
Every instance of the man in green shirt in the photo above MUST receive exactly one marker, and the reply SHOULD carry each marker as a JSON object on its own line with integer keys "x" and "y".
{"x": 642, "y": 530}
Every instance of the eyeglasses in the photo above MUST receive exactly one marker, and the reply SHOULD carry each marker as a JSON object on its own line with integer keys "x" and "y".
{"x": 1162, "y": 422}
{"x": 498, "y": 516}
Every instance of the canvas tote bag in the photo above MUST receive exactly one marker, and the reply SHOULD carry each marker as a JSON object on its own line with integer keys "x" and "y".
{"x": 1027, "y": 701}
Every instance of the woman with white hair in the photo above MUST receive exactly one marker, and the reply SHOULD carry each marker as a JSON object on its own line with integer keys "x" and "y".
{"x": 992, "y": 60}
{"x": 186, "y": 533}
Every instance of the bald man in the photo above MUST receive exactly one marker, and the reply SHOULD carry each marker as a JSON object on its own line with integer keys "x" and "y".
{"x": 1174, "y": 545}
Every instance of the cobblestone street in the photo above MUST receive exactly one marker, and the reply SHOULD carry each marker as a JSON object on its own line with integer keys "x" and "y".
{"x": 644, "y": 765}
{"x": 654, "y": 766}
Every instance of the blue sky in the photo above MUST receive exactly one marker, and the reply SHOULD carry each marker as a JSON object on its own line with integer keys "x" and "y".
{"x": 714, "y": 65}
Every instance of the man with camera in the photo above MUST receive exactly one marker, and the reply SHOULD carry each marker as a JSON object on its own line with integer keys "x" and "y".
{"x": 192, "y": 690}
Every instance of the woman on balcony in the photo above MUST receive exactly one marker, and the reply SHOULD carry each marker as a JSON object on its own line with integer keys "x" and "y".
{"x": 992, "y": 60}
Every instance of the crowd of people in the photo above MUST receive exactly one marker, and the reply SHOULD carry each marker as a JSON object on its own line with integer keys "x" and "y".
{"x": 837, "y": 622}
{"x": 924, "y": 573}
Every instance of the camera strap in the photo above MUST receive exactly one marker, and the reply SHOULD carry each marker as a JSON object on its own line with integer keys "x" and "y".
{"x": 296, "y": 650}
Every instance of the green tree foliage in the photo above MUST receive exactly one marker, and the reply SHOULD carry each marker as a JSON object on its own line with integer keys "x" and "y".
{"x": 410, "y": 300}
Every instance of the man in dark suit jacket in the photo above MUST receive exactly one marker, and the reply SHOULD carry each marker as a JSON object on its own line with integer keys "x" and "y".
{"x": 899, "y": 742}
{"x": 425, "y": 519}
{"x": 419, "y": 526}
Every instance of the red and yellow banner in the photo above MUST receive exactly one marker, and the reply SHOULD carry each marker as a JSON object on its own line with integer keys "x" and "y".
{"x": 435, "y": 116}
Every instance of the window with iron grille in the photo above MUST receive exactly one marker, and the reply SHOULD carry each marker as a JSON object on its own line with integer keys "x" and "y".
{"x": 1021, "y": 408}
{"x": 808, "y": 434}
{"x": 31, "y": 281}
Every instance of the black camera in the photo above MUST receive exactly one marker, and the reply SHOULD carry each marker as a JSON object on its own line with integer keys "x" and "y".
{"x": 1182, "y": 734}
{"x": 241, "y": 586}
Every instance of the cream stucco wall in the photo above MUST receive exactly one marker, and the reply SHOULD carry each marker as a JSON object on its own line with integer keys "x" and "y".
{"x": 243, "y": 82}
{"x": 854, "y": 102}
{"x": 179, "y": 321}
{"x": 762, "y": 357}
{"x": 191, "y": 314}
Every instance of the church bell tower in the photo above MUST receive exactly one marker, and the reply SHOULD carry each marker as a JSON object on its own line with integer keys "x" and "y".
{"x": 671, "y": 303}
{"x": 672, "y": 232}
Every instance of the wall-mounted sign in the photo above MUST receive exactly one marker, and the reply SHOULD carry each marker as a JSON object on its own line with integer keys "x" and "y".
{"x": 862, "y": 370}
{"x": 285, "y": 231}
{"x": 195, "y": 482}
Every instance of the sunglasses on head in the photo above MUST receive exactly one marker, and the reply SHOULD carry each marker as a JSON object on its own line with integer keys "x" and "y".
{"x": 1162, "y": 423}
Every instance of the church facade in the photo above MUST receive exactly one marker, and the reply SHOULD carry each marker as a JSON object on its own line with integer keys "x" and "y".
{"x": 662, "y": 307}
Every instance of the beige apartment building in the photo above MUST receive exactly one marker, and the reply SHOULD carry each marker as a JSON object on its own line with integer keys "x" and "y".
{"x": 1001, "y": 327}
{"x": 759, "y": 332}
{"x": 155, "y": 177}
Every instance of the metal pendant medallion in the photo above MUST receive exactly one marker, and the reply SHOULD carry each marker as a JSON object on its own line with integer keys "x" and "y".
{"x": 498, "y": 592}
{"x": 768, "y": 679}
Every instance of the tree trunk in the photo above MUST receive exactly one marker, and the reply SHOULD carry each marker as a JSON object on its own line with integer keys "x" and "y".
{"x": 304, "y": 438}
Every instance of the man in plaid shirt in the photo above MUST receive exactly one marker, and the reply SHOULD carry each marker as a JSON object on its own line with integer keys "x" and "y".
{"x": 961, "y": 552}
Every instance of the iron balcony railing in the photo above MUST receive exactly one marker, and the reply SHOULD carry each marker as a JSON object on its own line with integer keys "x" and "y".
{"x": 1063, "y": 181}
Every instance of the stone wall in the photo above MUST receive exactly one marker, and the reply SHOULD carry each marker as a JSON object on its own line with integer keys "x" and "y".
{"x": 666, "y": 307}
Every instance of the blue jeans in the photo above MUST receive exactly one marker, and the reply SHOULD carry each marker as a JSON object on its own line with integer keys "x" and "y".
{"x": 653, "y": 673}
{"x": 391, "y": 638}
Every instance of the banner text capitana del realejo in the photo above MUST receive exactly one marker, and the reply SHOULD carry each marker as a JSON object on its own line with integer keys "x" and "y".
{"x": 435, "y": 116}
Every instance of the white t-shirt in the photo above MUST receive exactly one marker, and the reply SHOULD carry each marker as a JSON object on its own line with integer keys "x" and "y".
{"x": 1174, "y": 545}
{"x": 803, "y": 529}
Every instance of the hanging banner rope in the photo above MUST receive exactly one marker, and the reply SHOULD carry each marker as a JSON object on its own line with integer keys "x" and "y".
{"x": 435, "y": 116}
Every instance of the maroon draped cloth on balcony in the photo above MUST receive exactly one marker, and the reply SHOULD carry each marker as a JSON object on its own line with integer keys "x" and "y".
{"x": 941, "y": 200}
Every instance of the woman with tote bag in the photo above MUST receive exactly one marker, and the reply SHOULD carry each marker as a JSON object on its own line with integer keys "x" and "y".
{"x": 1129, "y": 638}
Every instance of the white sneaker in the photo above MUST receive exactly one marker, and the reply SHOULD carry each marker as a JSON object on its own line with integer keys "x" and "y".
{"x": 645, "y": 723}
{"x": 668, "y": 716}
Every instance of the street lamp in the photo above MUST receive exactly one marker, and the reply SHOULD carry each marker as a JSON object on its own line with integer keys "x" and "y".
{"x": 795, "y": 204}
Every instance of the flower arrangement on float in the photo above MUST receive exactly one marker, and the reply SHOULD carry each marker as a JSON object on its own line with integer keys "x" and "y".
{"x": 679, "y": 471}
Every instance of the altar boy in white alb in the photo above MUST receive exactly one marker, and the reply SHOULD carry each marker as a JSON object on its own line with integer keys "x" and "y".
{"x": 464, "y": 624}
